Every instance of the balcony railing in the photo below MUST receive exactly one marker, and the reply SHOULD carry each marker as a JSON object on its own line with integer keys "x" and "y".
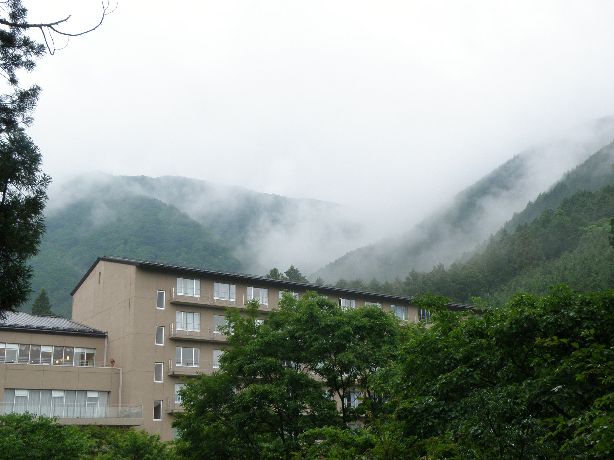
{"x": 207, "y": 300}
{"x": 208, "y": 335}
{"x": 172, "y": 406}
{"x": 204, "y": 367}
{"x": 74, "y": 411}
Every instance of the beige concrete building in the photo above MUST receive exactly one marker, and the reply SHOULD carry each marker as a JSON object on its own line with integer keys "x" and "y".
{"x": 161, "y": 326}
{"x": 56, "y": 367}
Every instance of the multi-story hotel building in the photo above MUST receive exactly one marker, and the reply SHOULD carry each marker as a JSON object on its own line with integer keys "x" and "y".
{"x": 152, "y": 326}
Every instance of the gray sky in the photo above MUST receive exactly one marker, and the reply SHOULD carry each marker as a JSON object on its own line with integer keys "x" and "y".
{"x": 388, "y": 105}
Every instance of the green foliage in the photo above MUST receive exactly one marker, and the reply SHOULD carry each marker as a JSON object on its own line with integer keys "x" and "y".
{"x": 568, "y": 245}
{"x": 25, "y": 437}
{"x": 41, "y": 305}
{"x": 291, "y": 274}
{"x": 22, "y": 200}
{"x": 17, "y": 52}
{"x": 125, "y": 444}
{"x": 531, "y": 379}
{"x": 279, "y": 380}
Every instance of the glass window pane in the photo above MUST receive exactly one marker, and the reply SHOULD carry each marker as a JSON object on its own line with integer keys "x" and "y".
{"x": 158, "y": 371}
{"x": 24, "y": 353}
{"x": 11, "y": 351}
{"x": 160, "y": 300}
{"x": 160, "y": 335}
{"x": 35, "y": 354}
{"x": 178, "y": 356}
{"x": 69, "y": 353}
{"x": 58, "y": 356}
{"x": 157, "y": 410}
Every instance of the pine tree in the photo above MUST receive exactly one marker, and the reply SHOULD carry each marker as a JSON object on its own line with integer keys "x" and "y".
{"x": 42, "y": 306}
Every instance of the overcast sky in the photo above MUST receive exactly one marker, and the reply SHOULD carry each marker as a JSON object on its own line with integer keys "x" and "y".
{"x": 394, "y": 104}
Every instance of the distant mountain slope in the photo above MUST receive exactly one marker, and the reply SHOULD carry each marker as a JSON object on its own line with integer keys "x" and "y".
{"x": 593, "y": 174}
{"x": 473, "y": 216}
{"x": 183, "y": 221}
{"x": 128, "y": 226}
{"x": 566, "y": 245}
{"x": 262, "y": 230}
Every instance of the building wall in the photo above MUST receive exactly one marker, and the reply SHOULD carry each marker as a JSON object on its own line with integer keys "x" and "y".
{"x": 121, "y": 299}
{"x": 45, "y": 376}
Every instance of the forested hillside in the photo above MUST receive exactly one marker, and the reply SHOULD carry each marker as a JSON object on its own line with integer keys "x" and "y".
{"x": 476, "y": 213}
{"x": 566, "y": 245}
{"x": 133, "y": 227}
{"x": 181, "y": 221}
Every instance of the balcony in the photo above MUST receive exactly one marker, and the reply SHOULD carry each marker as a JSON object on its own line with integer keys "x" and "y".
{"x": 173, "y": 407}
{"x": 205, "y": 367}
{"x": 81, "y": 414}
{"x": 208, "y": 301}
{"x": 200, "y": 336}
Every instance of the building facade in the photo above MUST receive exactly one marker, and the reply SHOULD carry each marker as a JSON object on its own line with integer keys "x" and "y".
{"x": 56, "y": 367}
{"x": 162, "y": 325}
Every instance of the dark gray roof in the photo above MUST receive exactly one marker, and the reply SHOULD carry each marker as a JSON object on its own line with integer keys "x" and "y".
{"x": 244, "y": 277}
{"x": 24, "y": 321}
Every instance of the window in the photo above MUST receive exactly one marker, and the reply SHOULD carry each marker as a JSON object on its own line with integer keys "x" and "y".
{"x": 159, "y": 335}
{"x": 46, "y": 354}
{"x": 178, "y": 388}
{"x": 92, "y": 402}
{"x": 400, "y": 311}
{"x": 158, "y": 371}
{"x": 224, "y": 291}
{"x": 219, "y": 322}
{"x": 85, "y": 357}
{"x": 187, "y": 321}
{"x": 8, "y": 352}
{"x": 259, "y": 294}
{"x": 63, "y": 356}
{"x": 188, "y": 287}
{"x": 21, "y": 401}
{"x": 57, "y": 403}
{"x": 24, "y": 354}
{"x": 217, "y": 354}
{"x": 35, "y": 354}
{"x": 373, "y": 304}
{"x": 188, "y": 357}
{"x": 353, "y": 399}
{"x": 161, "y": 299}
{"x": 424, "y": 315}
{"x": 347, "y": 303}
{"x": 157, "y": 410}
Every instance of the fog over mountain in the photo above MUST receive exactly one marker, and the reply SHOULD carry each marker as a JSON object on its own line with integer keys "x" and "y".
{"x": 475, "y": 213}
{"x": 261, "y": 230}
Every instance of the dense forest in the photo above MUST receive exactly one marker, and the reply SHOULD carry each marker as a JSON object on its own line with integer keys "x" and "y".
{"x": 566, "y": 245}
{"x": 528, "y": 380}
{"x": 475, "y": 213}
{"x": 135, "y": 227}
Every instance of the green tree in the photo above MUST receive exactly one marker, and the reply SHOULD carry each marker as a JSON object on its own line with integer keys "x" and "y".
{"x": 22, "y": 200}
{"x": 22, "y": 184}
{"x": 275, "y": 274}
{"x": 294, "y": 274}
{"x": 41, "y": 305}
{"x": 26, "y": 437}
{"x": 529, "y": 380}
{"x": 110, "y": 443}
{"x": 260, "y": 401}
